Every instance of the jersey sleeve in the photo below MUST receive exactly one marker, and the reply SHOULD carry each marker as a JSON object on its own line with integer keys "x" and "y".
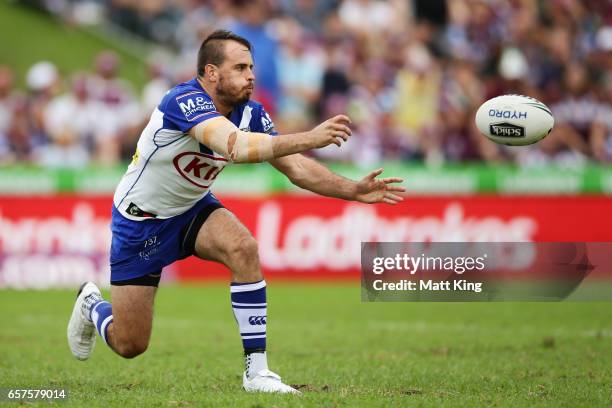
{"x": 264, "y": 123}
{"x": 185, "y": 110}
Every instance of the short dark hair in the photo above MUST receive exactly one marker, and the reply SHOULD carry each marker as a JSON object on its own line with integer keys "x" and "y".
{"x": 211, "y": 50}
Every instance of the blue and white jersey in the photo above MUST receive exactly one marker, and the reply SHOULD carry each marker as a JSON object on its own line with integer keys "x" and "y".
{"x": 171, "y": 171}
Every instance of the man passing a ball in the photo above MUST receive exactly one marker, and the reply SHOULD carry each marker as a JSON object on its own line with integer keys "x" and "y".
{"x": 164, "y": 209}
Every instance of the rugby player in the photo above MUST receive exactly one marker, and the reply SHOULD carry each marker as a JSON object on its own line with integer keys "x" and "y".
{"x": 164, "y": 209}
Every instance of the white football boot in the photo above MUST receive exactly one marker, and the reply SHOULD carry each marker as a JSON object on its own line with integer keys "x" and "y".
{"x": 81, "y": 330}
{"x": 266, "y": 381}
{"x": 263, "y": 380}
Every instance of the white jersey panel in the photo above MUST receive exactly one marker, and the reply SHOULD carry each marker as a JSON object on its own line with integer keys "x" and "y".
{"x": 171, "y": 171}
{"x": 169, "y": 174}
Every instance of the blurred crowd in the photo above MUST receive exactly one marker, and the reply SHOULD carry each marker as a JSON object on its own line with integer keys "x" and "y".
{"x": 410, "y": 74}
{"x": 68, "y": 122}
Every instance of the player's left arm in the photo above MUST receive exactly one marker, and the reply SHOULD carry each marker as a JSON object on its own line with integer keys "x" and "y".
{"x": 311, "y": 175}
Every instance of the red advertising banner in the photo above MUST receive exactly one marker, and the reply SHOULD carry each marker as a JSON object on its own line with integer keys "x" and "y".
{"x": 57, "y": 241}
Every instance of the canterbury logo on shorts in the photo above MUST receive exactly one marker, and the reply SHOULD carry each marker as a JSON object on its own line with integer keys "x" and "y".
{"x": 257, "y": 320}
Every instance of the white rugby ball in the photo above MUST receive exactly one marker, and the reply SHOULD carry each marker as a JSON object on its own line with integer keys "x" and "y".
{"x": 514, "y": 120}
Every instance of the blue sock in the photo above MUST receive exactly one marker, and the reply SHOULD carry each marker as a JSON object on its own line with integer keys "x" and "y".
{"x": 250, "y": 308}
{"x": 102, "y": 317}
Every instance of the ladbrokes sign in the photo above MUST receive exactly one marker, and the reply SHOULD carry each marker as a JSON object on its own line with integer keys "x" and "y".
{"x": 61, "y": 241}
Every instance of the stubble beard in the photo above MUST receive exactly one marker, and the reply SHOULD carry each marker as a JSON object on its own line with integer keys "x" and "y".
{"x": 230, "y": 96}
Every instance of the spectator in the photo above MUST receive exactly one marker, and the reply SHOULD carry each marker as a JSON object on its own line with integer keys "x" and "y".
{"x": 301, "y": 66}
{"x": 71, "y": 121}
{"x": 119, "y": 110}
{"x": 435, "y": 62}
{"x": 156, "y": 88}
{"x": 7, "y": 108}
{"x": 576, "y": 114}
{"x": 252, "y": 24}
{"x": 461, "y": 92}
{"x": 418, "y": 86}
{"x": 380, "y": 16}
{"x": 309, "y": 14}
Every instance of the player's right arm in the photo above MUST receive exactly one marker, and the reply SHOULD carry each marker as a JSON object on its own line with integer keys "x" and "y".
{"x": 222, "y": 136}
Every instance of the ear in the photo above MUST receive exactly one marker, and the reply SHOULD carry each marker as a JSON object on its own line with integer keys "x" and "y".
{"x": 211, "y": 72}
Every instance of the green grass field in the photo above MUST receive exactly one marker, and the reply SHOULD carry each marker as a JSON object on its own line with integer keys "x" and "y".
{"x": 29, "y": 36}
{"x": 345, "y": 352}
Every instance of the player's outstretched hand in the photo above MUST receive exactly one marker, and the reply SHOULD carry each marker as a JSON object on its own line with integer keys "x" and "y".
{"x": 333, "y": 130}
{"x": 372, "y": 190}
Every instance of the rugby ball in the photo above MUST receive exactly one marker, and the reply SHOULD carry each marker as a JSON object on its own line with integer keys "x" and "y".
{"x": 514, "y": 120}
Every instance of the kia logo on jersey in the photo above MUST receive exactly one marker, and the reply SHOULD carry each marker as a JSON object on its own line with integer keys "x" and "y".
{"x": 199, "y": 169}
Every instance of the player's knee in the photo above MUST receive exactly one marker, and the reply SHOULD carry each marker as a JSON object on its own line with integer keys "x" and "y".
{"x": 131, "y": 349}
{"x": 246, "y": 251}
{"x": 244, "y": 261}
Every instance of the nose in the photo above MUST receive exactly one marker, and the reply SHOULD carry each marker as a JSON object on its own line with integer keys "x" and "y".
{"x": 250, "y": 75}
